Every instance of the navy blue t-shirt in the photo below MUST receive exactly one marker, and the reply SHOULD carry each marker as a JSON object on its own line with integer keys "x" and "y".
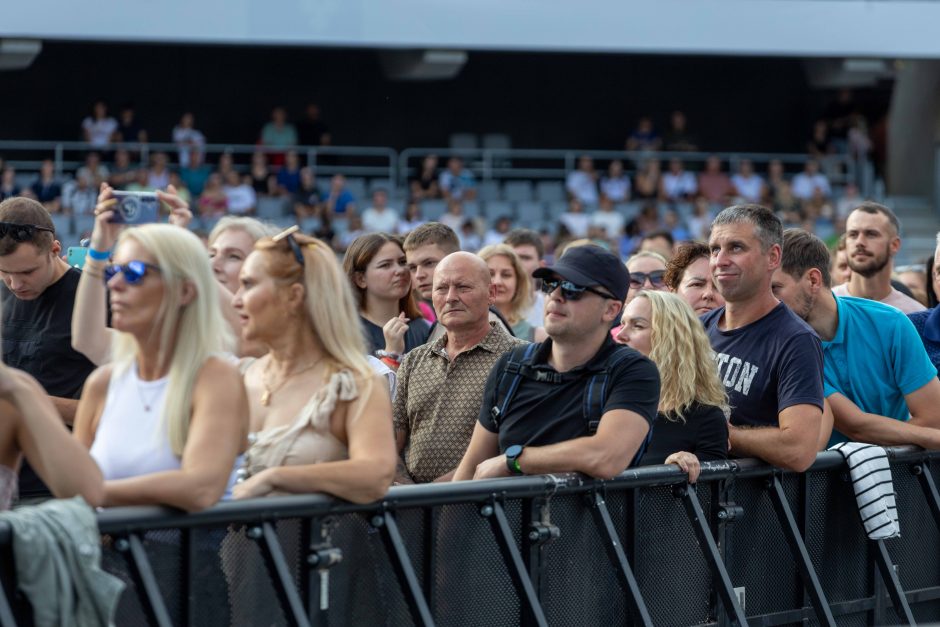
{"x": 768, "y": 365}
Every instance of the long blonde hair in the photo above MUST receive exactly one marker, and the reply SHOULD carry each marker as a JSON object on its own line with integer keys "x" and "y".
{"x": 522, "y": 299}
{"x": 331, "y": 307}
{"x": 189, "y": 334}
{"x": 684, "y": 356}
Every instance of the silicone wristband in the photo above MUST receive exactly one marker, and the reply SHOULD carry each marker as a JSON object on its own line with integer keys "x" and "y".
{"x": 99, "y": 255}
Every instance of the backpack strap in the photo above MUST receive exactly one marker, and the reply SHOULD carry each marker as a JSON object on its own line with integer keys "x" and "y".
{"x": 520, "y": 360}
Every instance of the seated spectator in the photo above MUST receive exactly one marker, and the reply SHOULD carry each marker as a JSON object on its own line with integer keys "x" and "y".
{"x": 498, "y": 233}
{"x": 648, "y": 180}
{"x": 411, "y": 220}
{"x": 645, "y": 270}
{"x": 8, "y": 186}
{"x": 512, "y": 288}
{"x": 537, "y": 425}
{"x": 379, "y": 217}
{"x": 213, "y": 203}
{"x": 660, "y": 242}
{"x": 927, "y": 322}
{"x": 340, "y": 200}
{"x": 775, "y": 178}
{"x": 677, "y": 184}
{"x": 278, "y": 133}
{"x": 454, "y": 218}
{"x": 288, "y": 175}
{"x": 196, "y": 173}
{"x": 677, "y": 138}
{"x": 582, "y": 183}
{"x": 840, "y": 270}
{"x": 179, "y": 185}
{"x": 769, "y": 360}
{"x": 689, "y": 276}
{"x": 46, "y": 189}
{"x": 700, "y": 221}
{"x": 748, "y": 186}
{"x": 188, "y": 139}
{"x": 881, "y": 385}
{"x": 872, "y": 238}
{"x": 819, "y": 146}
{"x": 226, "y": 164}
{"x": 644, "y": 137}
{"x": 99, "y": 128}
{"x": 616, "y": 185}
{"x": 262, "y": 181}
{"x": 159, "y": 176}
{"x": 612, "y": 222}
{"x": 787, "y": 206}
{"x": 307, "y": 200}
{"x": 129, "y": 130}
{"x": 93, "y": 170}
{"x": 167, "y": 418}
{"x": 123, "y": 171}
{"x": 344, "y": 239}
{"x": 32, "y": 428}
{"x": 239, "y": 194}
{"x": 674, "y": 225}
{"x": 140, "y": 182}
{"x": 457, "y": 182}
{"x": 575, "y": 220}
{"x": 849, "y": 200}
{"x": 714, "y": 184}
{"x": 79, "y": 197}
{"x": 322, "y": 421}
{"x": 311, "y": 130}
{"x": 807, "y": 182}
{"x": 692, "y": 423}
{"x": 425, "y": 185}
{"x": 378, "y": 271}
{"x": 441, "y": 383}
{"x": 470, "y": 240}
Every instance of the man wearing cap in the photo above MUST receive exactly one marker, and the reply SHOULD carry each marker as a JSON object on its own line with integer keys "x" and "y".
{"x": 577, "y": 402}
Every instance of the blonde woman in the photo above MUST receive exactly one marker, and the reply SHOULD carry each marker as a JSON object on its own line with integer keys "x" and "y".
{"x": 166, "y": 420}
{"x": 322, "y": 420}
{"x": 513, "y": 288}
{"x": 692, "y": 425}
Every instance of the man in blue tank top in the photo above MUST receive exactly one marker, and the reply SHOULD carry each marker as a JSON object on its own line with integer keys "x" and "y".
{"x": 769, "y": 360}
{"x": 881, "y": 385}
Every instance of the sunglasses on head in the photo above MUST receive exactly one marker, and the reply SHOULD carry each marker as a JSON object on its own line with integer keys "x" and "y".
{"x": 21, "y": 232}
{"x": 569, "y": 290}
{"x": 288, "y": 234}
{"x": 134, "y": 271}
{"x": 638, "y": 279}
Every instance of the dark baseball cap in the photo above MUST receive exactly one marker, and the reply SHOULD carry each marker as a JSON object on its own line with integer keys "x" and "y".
{"x": 590, "y": 265}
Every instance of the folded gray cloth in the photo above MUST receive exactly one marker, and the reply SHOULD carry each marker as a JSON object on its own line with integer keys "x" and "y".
{"x": 874, "y": 488}
{"x": 57, "y": 550}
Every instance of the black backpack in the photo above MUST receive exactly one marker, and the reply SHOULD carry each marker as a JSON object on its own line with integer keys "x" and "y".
{"x": 595, "y": 392}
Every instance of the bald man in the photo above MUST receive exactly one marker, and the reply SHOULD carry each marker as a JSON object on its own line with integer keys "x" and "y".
{"x": 440, "y": 384}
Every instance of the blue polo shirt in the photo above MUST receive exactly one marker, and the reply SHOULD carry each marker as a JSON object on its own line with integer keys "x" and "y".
{"x": 875, "y": 359}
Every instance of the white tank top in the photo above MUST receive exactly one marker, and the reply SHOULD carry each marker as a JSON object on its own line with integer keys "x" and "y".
{"x": 132, "y": 441}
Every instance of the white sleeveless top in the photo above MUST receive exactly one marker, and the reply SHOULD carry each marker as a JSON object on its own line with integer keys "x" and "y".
{"x": 131, "y": 441}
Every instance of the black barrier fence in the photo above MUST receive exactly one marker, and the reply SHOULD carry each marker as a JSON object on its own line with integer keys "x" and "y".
{"x": 748, "y": 544}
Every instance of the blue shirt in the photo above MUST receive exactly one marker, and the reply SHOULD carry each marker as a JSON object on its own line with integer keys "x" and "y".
{"x": 927, "y": 324}
{"x": 875, "y": 359}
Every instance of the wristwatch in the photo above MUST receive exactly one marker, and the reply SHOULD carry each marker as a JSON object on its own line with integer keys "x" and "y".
{"x": 512, "y": 459}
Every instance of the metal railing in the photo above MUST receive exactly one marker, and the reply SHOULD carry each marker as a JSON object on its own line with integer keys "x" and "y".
{"x": 749, "y": 544}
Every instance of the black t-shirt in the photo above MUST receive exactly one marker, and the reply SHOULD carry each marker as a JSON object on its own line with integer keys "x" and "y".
{"x": 311, "y": 132}
{"x": 766, "y": 366}
{"x": 543, "y": 413}
{"x": 37, "y": 338}
{"x": 417, "y": 334}
{"x": 704, "y": 432}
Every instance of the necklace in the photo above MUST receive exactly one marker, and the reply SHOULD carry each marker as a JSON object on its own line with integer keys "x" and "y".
{"x": 148, "y": 404}
{"x": 270, "y": 390}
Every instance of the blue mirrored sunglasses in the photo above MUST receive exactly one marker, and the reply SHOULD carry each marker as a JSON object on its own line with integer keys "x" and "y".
{"x": 134, "y": 271}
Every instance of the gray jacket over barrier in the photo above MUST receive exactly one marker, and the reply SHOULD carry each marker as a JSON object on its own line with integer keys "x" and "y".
{"x": 57, "y": 550}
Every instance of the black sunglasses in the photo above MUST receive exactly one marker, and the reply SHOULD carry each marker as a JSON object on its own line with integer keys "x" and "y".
{"x": 21, "y": 232}
{"x": 134, "y": 271}
{"x": 569, "y": 290}
{"x": 288, "y": 234}
{"x": 638, "y": 279}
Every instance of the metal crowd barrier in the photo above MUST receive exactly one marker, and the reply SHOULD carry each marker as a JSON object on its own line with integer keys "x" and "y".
{"x": 748, "y": 545}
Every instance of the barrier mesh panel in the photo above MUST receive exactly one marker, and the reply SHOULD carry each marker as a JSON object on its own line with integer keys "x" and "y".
{"x": 674, "y": 578}
{"x": 163, "y": 552}
{"x": 759, "y": 557}
{"x": 594, "y": 596}
{"x": 472, "y": 584}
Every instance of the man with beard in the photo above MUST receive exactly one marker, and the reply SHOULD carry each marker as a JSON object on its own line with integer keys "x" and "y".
{"x": 872, "y": 238}
{"x": 878, "y": 378}
{"x": 769, "y": 360}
